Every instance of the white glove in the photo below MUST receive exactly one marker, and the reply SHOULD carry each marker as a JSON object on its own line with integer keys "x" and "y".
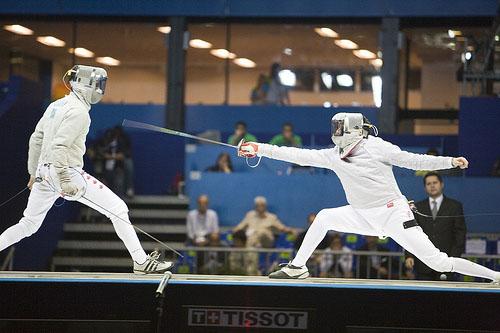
{"x": 67, "y": 186}
{"x": 460, "y": 162}
{"x": 248, "y": 149}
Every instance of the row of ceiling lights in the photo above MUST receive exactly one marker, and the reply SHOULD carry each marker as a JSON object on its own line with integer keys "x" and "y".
{"x": 56, "y": 42}
{"x": 350, "y": 45}
{"x": 219, "y": 53}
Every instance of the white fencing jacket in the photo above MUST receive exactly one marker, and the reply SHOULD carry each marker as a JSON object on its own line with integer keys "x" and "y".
{"x": 59, "y": 136}
{"x": 366, "y": 174}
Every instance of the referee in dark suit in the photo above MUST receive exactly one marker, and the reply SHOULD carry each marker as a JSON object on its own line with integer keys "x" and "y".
{"x": 446, "y": 233}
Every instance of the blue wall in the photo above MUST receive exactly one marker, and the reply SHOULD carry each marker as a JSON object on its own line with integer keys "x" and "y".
{"x": 293, "y": 197}
{"x": 253, "y": 8}
{"x": 479, "y": 134}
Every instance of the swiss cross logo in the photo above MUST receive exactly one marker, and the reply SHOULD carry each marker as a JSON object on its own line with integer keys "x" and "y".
{"x": 390, "y": 204}
{"x": 213, "y": 317}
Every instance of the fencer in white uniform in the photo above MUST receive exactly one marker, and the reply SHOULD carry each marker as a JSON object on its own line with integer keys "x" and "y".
{"x": 376, "y": 206}
{"x": 55, "y": 162}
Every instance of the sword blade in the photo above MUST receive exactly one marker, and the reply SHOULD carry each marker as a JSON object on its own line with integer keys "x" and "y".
{"x": 149, "y": 127}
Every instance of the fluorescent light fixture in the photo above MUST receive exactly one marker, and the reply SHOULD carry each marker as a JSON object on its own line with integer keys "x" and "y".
{"x": 326, "y": 32}
{"x": 164, "y": 29}
{"x": 244, "y": 62}
{"x": 377, "y": 90}
{"x": 327, "y": 80}
{"x": 327, "y": 104}
{"x": 497, "y": 38}
{"x": 376, "y": 62}
{"x": 454, "y": 33}
{"x": 81, "y": 52}
{"x": 109, "y": 61}
{"x": 346, "y": 44}
{"x": 51, "y": 41}
{"x": 18, "y": 29}
{"x": 287, "y": 77}
{"x": 200, "y": 44}
{"x": 344, "y": 80}
{"x": 223, "y": 54}
{"x": 364, "y": 54}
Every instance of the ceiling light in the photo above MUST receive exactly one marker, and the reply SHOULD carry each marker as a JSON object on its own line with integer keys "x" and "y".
{"x": 244, "y": 62}
{"x": 326, "y": 32}
{"x": 51, "y": 41}
{"x": 327, "y": 80}
{"x": 164, "y": 30}
{"x": 200, "y": 44}
{"x": 287, "y": 77}
{"x": 346, "y": 44}
{"x": 376, "y": 62}
{"x": 344, "y": 80}
{"x": 18, "y": 29}
{"x": 468, "y": 55}
{"x": 364, "y": 54}
{"x": 497, "y": 38}
{"x": 81, "y": 52}
{"x": 223, "y": 54}
{"x": 287, "y": 51}
{"x": 327, "y": 104}
{"x": 454, "y": 33}
{"x": 108, "y": 61}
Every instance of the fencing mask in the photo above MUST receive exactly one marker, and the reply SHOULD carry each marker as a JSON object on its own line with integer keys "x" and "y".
{"x": 87, "y": 82}
{"x": 348, "y": 129}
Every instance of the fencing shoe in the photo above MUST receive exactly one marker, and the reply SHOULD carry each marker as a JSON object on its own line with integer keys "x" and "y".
{"x": 288, "y": 271}
{"x": 152, "y": 265}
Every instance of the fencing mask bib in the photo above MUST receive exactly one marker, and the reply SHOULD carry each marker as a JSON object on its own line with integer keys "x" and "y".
{"x": 348, "y": 129}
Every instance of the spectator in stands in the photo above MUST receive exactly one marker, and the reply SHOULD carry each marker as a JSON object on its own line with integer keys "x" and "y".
{"x": 287, "y": 137}
{"x": 202, "y": 224}
{"x": 223, "y": 164}
{"x": 324, "y": 243}
{"x": 118, "y": 164}
{"x": 336, "y": 265}
{"x": 446, "y": 233}
{"x": 242, "y": 263}
{"x": 261, "y": 225}
{"x": 240, "y": 132}
{"x": 373, "y": 266}
{"x": 259, "y": 92}
{"x": 277, "y": 93}
{"x": 496, "y": 168}
{"x": 430, "y": 151}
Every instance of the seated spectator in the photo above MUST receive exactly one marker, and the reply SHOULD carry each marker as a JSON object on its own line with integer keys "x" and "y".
{"x": 336, "y": 265}
{"x": 496, "y": 168}
{"x": 259, "y": 92}
{"x": 373, "y": 266}
{"x": 223, "y": 164}
{"x": 261, "y": 225}
{"x": 240, "y": 132}
{"x": 287, "y": 138}
{"x": 243, "y": 263}
{"x": 202, "y": 224}
{"x": 324, "y": 243}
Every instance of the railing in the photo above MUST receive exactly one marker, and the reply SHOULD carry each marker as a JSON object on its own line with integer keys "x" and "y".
{"x": 323, "y": 263}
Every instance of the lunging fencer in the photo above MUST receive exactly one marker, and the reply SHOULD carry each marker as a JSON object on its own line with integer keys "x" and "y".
{"x": 363, "y": 163}
{"x": 55, "y": 162}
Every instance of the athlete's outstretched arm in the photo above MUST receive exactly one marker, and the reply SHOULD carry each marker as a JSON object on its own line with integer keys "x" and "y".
{"x": 305, "y": 157}
{"x": 394, "y": 155}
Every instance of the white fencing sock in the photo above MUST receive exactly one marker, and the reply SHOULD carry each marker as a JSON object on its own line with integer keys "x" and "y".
{"x": 314, "y": 236}
{"x": 467, "y": 267}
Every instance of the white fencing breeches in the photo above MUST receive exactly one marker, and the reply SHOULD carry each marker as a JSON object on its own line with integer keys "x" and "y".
{"x": 45, "y": 193}
{"x": 386, "y": 221}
